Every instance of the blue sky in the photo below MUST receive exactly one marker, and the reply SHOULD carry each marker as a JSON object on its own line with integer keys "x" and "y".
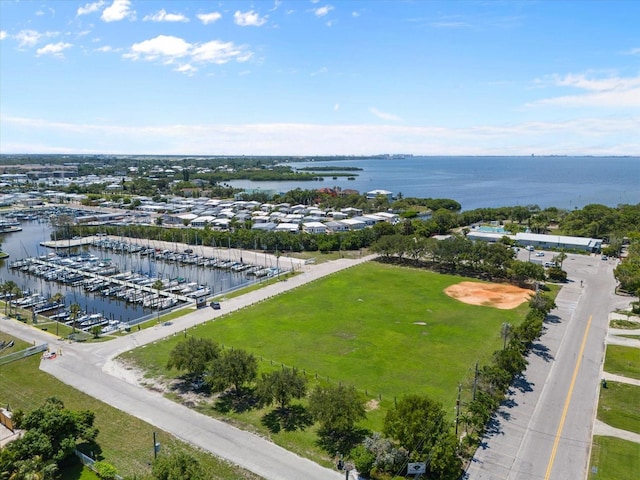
{"x": 320, "y": 78}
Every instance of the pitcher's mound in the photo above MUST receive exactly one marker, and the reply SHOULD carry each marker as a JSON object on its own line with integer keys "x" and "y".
{"x": 495, "y": 295}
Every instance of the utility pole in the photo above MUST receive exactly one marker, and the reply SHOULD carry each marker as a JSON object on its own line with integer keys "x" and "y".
{"x": 156, "y": 447}
{"x": 475, "y": 381}
{"x": 458, "y": 409}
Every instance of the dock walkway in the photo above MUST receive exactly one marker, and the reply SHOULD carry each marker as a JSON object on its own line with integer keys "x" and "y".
{"x": 115, "y": 281}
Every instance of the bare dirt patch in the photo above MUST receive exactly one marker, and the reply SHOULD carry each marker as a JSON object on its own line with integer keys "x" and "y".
{"x": 504, "y": 297}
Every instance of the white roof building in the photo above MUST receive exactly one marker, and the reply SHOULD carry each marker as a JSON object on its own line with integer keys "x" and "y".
{"x": 559, "y": 242}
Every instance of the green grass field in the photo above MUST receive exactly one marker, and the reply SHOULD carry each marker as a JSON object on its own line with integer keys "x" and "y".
{"x": 363, "y": 327}
{"x": 623, "y": 361}
{"x": 614, "y": 459}
{"x": 126, "y": 442}
{"x": 618, "y": 406}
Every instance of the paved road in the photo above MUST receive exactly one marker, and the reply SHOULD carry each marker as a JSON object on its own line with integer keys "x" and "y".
{"x": 86, "y": 366}
{"x": 544, "y": 430}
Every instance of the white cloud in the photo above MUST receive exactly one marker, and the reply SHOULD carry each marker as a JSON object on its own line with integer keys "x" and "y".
{"x": 614, "y": 136}
{"x": 54, "y": 49}
{"x": 249, "y": 19}
{"x": 336, "y": 107}
{"x": 634, "y": 51}
{"x": 276, "y": 5}
{"x": 186, "y": 68}
{"x": 90, "y": 8}
{"x": 322, "y": 71}
{"x": 105, "y": 49}
{"x": 355, "y": 14}
{"x": 207, "y": 18}
{"x": 383, "y": 115}
{"x": 28, "y": 38}
{"x": 163, "y": 16}
{"x": 169, "y": 50}
{"x": 608, "y": 92}
{"x": 118, "y": 10}
{"x": 322, "y": 11}
{"x": 3, "y": 34}
{"x": 219, "y": 52}
{"x": 163, "y": 46}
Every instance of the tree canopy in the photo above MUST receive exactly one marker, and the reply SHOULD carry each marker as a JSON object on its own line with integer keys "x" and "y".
{"x": 281, "y": 386}
{"x": 193, "y": 355}
{"x": 416, "y": 423}
{"x": 52, "y": 433}
{"x": 233, "y": 368}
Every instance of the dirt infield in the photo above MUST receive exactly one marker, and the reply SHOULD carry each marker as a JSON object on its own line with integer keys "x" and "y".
{"x": 495, "y": 295}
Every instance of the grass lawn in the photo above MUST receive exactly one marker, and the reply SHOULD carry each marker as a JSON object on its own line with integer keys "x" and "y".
{"x": 363, "y": 327}
{"x": 388, "y": 330}
{"x": 623, "y": 361}
{"x": 614, "y": 459}
{"x": 77, "y": 472}
{"x": 126, "y": 442}
{"x": 618, "y": 406}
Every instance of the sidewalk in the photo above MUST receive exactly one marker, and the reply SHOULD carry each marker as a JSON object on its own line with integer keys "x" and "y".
{"x": 601, "y": 428}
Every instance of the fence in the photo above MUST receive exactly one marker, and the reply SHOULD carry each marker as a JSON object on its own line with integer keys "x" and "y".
{"x": 89, "y": 462}
{"x": 27, "y": 352}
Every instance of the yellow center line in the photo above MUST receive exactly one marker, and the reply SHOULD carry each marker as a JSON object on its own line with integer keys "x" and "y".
{"x": 554, "y": 450}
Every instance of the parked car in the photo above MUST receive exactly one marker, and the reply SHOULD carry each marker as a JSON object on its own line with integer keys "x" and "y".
{"x": 530, "y": 248}
{"x": 539, "y": 254}
{"x": 215, "y": 305}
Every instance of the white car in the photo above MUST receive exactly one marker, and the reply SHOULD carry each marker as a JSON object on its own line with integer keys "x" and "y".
{"x": 539, "y": 254}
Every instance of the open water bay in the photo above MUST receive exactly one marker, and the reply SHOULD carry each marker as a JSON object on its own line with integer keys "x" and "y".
{"x": 476, "y": 182}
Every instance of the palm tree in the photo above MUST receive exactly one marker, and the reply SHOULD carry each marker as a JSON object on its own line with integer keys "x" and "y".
{"x": 58, "y": 298}
{"x": 74, "y": 308}
{"x": 16, "y": 293}
{"x": 158, "y": 286}
{"x": 6, "y": 288}
{"x": 505, "y": 333}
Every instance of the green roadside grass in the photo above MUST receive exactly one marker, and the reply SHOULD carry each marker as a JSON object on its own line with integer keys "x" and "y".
{"x": 126, "y": 442}
{"x": 614, "y": 459}
{"x": 622, "y": 360}
{"x": 387, "y": 330}
{"x": 624, "y": 324}
{"x": 618, "y": 406}
{"x": 78, "y": 472}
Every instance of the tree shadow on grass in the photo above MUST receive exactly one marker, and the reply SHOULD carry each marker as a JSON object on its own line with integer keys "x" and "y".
{"x": 72, "y": 471}
{"x": 237, "y": 401}
{"x": 289, "y": 419}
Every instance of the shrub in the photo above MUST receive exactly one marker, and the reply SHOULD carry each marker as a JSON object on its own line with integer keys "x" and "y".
{"x": 105, "y": 471}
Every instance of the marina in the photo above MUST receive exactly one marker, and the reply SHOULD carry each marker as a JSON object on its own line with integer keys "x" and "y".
{"x": 112, "y": 278}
